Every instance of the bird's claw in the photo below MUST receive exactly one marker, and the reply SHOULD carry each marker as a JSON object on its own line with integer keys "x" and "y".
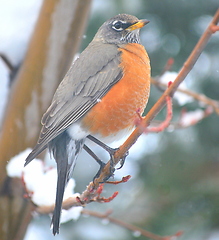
{"x": 122, "y": 160}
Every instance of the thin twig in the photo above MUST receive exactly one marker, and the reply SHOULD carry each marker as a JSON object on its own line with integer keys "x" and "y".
{"x": 200, "y": 97}
{"x": 128, "y": 225}
{"x": 180, "y": 123}
{"x": 163, "y": 125}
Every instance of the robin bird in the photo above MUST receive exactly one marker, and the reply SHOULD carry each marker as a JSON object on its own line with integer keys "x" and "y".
{"x": 98, "y": 97}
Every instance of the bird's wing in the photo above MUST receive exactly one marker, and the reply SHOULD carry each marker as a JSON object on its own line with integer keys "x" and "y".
{"x": 89, "y": 79}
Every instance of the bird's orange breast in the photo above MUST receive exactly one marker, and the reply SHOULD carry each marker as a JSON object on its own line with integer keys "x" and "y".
{"x": 117, "y": 109}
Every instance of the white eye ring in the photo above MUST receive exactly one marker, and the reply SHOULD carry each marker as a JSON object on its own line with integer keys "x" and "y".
{"x": 118, "y": 25}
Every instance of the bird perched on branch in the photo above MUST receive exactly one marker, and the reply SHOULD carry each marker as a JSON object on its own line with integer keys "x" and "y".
{"x": 98, "y": 97}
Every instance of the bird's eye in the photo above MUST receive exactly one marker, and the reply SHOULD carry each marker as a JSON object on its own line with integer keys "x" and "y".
{"x": 118, "y": 26}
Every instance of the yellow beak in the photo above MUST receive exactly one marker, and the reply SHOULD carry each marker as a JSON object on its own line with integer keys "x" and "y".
{"x": 141, "y": 23}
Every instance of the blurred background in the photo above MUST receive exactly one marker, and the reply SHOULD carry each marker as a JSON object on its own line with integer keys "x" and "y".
{"x": 175, "y": 174}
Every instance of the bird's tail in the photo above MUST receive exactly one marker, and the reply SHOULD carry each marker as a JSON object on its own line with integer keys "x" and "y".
{"x": 65, "y": 151}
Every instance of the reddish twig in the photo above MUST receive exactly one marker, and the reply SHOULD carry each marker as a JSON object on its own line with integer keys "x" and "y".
{"x": 100, "y": 199}
{"x": 88, "y": 196}
{"x": 109, "y": 199}
{"x": 169, "y": 116}
{"x": 163, "y": 125}
{"x": 124, "y": 179}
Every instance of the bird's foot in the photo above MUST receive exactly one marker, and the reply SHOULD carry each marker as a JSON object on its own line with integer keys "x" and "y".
{"x": 122, "y": 160}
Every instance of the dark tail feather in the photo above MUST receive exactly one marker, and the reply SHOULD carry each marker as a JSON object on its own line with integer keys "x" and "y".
{"x": 36, "y": 151}
{"x": 65, "y": 151}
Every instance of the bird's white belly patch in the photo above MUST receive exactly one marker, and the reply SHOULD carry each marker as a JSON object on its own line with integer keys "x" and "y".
{"x": 76, "y": 132}
{"x": 122, "y": 134}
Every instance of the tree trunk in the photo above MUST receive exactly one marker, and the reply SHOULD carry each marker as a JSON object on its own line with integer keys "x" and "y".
{"x": 56, "y": 39}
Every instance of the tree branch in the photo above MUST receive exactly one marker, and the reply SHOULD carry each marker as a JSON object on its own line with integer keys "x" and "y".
{"x": 129, "y": 226}
{"x": 55, "y": 40}
{"x": 187, "y": 67}
{"x": 91, "y": 192}
{"x": 199, "y": 97}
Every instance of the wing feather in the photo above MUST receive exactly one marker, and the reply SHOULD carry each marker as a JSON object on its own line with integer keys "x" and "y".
{"x": 89, "y": 79}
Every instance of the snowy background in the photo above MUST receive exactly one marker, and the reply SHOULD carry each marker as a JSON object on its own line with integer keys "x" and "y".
{"x": 17, "y": 19}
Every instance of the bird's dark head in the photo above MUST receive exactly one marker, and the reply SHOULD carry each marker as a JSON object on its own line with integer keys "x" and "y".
{"x": 122, "y": 28}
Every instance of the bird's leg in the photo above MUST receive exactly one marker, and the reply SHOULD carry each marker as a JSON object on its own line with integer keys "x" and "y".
{"x": 110, "y": 150}
{"x": 93, "y": 155}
